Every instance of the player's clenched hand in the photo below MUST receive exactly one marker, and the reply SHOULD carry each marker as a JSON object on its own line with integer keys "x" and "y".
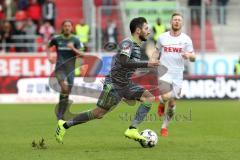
{"x": 70, "y": 45}
{"x": 188, "y": 55}
{"x": 153, "y": 63}
{"x": 185, "y": 55}
{"x": 80, "y": 54}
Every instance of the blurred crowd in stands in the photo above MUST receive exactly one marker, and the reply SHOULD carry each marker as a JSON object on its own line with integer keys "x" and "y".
{"x": 24, "y": 23}
{"x": 27, "y": 25}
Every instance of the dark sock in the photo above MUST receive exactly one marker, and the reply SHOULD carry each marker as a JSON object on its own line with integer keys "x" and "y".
{"x": 81, "y": 118}
{"x": 141, "y": 113}
{"x": 62, "y": 105}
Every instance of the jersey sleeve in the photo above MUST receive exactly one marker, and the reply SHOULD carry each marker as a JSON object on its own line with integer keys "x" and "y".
{"x": 52, "y": 42}
{"x": 125, "y": 48}
{"x": 189, "y": 45}
{"x": 78, "y": 45}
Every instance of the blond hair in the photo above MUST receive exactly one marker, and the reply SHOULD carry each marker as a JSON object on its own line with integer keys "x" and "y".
{"x": 176, "y": 14}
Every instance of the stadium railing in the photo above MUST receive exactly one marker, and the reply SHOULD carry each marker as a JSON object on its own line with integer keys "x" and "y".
{"x": 23, "y": 43}
{"x": 218, "y": 37}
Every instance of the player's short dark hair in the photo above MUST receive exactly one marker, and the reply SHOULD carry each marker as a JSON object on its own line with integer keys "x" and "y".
{"x": 176, "y": 14}
{"x": 137, "y": 23}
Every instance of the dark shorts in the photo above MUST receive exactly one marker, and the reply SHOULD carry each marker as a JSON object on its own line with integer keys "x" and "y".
{"x": 111, "y": 96}
{"x": 63, "y": 75}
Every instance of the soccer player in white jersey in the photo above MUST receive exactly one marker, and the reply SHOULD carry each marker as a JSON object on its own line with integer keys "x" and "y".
{"x": 175, "y": 47}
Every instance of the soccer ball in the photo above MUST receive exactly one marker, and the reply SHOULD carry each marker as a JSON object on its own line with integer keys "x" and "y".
{"x": 151, "y": 137}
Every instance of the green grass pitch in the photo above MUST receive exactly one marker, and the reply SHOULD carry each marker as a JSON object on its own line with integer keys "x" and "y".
{"x": 202, "y": 130}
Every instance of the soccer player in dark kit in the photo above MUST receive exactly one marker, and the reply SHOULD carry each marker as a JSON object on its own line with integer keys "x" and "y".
{"x": 68, "y": 47}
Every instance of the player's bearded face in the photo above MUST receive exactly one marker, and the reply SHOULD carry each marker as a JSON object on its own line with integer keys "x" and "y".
{"x": 176, "y": 23}
{"x": 144, "y": 32}
{"x": 67, "y": 28}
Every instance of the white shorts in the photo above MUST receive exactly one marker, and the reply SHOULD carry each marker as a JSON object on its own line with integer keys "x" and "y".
{"x": 176, "y": 80}
{"x": 177, "y": 91}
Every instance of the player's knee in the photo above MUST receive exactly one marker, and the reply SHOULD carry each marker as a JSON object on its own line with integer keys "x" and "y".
{"x": 172, "y": 103}
{"x": 99, "y": 115}
{"x": 65, "y": 90}
{"x": 166, "y": 97}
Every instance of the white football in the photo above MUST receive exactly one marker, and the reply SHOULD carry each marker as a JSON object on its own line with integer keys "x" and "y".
{"x": 151, "y": 137}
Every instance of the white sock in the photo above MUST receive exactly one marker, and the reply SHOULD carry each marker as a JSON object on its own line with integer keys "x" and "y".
{"x": 168, "y": 116}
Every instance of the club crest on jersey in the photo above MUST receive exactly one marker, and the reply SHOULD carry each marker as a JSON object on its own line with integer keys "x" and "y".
{"x": 126, "y": 47}
{"x": 172, "y": 49}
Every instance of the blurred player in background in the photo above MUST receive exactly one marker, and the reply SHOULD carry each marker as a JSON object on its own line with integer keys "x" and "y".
{"x": 118, "y": 84}
{"x": 175, "y": 47}
{"x": 237, "y": 67}
{"x": 158, "y": 28}
{"x": 68, "y": 48}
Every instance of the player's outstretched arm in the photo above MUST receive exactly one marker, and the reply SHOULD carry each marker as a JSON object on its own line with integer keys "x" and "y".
{"x": 130, "y": 63}
{"x": 75, "y": 50}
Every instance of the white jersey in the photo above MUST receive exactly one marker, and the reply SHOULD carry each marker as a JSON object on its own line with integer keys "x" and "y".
{"x": 171, "y": 49}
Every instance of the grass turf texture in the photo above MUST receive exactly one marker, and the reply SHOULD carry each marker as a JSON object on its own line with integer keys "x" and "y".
{"x": 212, "y": 132}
